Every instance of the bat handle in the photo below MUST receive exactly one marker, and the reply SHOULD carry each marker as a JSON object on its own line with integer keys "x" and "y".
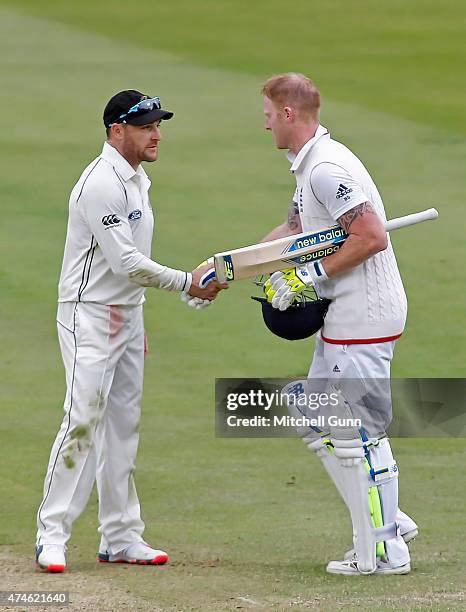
{"x": 220, "y": 270}
{"x": 424, "y": 215}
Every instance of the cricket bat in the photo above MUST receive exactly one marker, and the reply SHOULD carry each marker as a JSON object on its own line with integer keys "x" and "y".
{"x": 297, "y": 250}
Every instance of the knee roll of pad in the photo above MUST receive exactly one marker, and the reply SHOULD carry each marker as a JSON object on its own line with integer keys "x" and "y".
{"x": 349, "y": 451}
{"x": 317, "y": 445}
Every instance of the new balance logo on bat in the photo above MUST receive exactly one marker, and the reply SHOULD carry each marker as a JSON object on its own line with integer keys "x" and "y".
{"x": 314, "y": 256}
{"x": 333, "y": 234}
{"x": 343, "y": 191}
{"x": 229, "y": 269}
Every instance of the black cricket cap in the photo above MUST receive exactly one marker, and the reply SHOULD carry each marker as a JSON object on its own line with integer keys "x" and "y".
{"x": 120, "y": 104}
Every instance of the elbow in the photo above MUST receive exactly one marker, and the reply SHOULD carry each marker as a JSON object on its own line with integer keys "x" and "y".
{"x": 382, "y": 242}
{"x": 377, "y": 243}
{"x": 129, "y": 264}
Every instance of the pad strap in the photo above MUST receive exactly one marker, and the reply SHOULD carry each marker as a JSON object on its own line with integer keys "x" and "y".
{"x": 383, "y": 473}
{"x": 372, "y": 443}
{"x": 387, "y": 532}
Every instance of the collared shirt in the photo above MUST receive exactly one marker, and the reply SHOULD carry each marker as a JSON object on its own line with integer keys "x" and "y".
{"x": 296, "y": 160}
{"x": 109, "y": 237}
{"x": 368, "y": 301}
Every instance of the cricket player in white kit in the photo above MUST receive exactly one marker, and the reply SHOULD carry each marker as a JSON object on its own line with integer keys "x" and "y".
{"x": 366, "y": 316}
{"x": 106, "y": 268}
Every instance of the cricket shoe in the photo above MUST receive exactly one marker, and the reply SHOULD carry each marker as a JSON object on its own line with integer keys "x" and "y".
{"x": 408, "y": 537}
{"x": 51, "y": 558}
{"x": 138, "y": 553}
{"x": 349, "y": 567}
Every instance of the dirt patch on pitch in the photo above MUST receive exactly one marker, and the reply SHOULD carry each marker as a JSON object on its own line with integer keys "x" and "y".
{"x": 88, "y": 590}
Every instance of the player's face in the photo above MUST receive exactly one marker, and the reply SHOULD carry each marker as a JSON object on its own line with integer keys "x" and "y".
{"x": 275, "y": 122}
{"x": 141, "y": 142}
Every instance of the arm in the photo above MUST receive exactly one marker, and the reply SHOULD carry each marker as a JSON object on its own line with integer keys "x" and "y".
{"x": 355, "y": 214}
{"x": 291, "y": 226}
{"x": 97, "y": 205}
{"x": 107, "y": 200}
{"x": 367, "y": 236}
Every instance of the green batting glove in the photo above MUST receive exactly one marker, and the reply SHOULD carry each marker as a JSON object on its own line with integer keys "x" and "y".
{"x": 294, "y": 280}
{"x": 283, "y": 287}
{"x": 269, "y": 292}
{"x": 286, "y": 278}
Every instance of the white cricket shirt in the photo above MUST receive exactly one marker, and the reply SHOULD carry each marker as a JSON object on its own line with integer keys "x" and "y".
{"x": 109, "y": 237}
{"x": 368, "y": 302}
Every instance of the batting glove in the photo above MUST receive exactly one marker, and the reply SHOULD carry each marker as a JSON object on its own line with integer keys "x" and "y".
{"x": 209, "y": 275}
{"x": 195, "y": 302}
{"x": 283, "y": 287}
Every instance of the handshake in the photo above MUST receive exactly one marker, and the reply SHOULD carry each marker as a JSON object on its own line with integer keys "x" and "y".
{"x": 281, "y": 290}
{"x": 204, "y": 287}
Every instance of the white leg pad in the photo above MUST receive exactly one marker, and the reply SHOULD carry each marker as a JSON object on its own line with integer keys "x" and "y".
{"x": 381, "y": 457}
{"x": 351, "y": 455}
{"x": 331, "y": 464}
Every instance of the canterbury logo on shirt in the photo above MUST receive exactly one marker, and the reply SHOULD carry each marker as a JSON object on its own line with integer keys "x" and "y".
{"x": 110, "y": 220}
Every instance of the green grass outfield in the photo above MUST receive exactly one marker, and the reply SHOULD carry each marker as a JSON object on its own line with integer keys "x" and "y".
{"x": 239, "y": 534}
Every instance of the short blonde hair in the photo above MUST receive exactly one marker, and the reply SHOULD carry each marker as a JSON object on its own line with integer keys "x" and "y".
{"x": 293, "y": 89}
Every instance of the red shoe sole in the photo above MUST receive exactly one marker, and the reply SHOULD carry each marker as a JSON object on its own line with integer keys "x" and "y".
{"x": 159, "y": 560}
{"x": 52, "y": 569}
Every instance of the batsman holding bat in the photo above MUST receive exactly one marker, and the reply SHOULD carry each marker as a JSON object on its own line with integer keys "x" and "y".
{"x": 366, "y": 316}
{"x": 106, "y": 268}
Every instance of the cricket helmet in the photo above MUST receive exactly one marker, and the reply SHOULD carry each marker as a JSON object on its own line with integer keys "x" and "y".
{"x": 301, "y": 320}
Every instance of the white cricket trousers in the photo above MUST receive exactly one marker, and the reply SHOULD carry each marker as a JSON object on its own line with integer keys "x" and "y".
{"x": 103, "y": 353}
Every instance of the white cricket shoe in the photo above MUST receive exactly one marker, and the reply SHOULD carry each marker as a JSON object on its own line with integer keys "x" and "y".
{"x": 138, "y": 553}
{"x": 408, "y": 537}
{"x": 349, "y": 567}
{"x": 51, "y": 558}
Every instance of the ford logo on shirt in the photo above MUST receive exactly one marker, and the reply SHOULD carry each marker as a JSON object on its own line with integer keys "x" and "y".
{"x": 135, "y": 214}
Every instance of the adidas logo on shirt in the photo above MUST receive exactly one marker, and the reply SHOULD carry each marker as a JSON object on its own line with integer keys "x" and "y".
{"x": 343, "y": 191}
{"x": 336, "y": 369}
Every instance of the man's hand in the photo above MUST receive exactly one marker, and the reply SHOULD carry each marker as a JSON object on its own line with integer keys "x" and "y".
{"x": 204, "y": 284}
{"x": 195, "y": 302}
{"x": 283, "y": 287}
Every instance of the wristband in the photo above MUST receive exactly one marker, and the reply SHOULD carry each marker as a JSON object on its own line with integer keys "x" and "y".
{"x": 317, "y": 271}
{"x": 188, "y": 282}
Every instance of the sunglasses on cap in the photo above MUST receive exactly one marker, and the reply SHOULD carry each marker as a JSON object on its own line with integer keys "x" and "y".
{"x": 147, "y": 104}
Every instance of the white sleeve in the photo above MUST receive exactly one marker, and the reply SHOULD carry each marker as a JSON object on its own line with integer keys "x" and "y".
{"x": 104, "y": 209}
{"x": 336, "y": 189}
